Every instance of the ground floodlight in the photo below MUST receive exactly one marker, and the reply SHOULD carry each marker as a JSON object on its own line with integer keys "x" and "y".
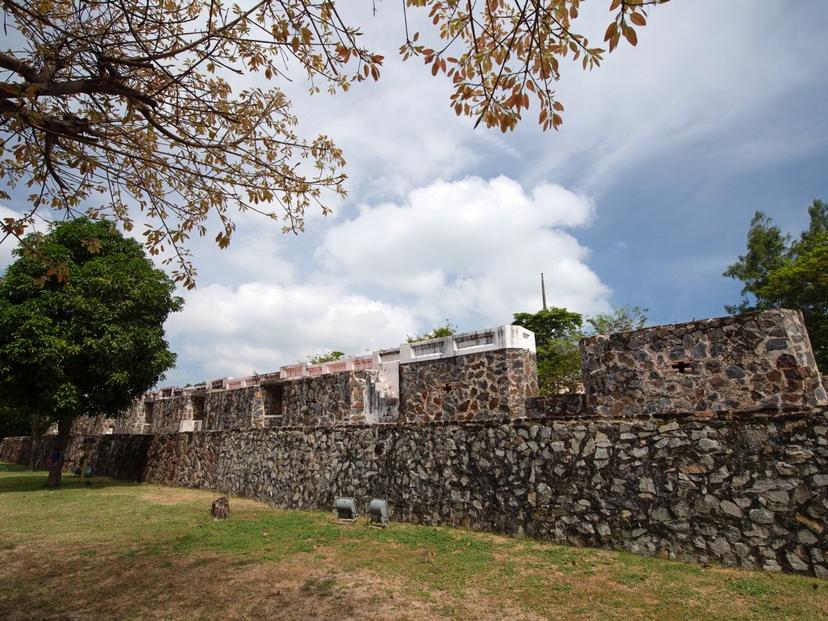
{"x": 345, "y": 508}
{"x": 378, "y": 512}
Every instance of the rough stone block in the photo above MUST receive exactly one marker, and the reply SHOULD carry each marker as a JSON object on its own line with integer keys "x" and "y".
{"x": 480, "y": 386}
{"x": 755, "y": 362}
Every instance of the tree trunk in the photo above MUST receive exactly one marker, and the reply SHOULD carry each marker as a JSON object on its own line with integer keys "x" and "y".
{"x": 37, "y": 432}
{"x": 33, "y": 449}
{"x": 221, "y": 508}
{"x": 58, "y": 455}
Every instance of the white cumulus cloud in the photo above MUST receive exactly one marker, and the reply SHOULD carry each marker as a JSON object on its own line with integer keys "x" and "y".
{"x": 469, "y": 250}
{"x": 236, "y": 330}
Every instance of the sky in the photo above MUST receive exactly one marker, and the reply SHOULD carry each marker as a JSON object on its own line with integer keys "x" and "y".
{"x": 642, "y": 197}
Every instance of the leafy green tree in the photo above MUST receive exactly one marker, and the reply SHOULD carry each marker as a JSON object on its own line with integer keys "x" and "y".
{"x": 13, "y": 422}
{"x": 447, "y": 329}
{"x": 88, "y": 343}
{"x": 803, "y": 283}
{"x": 621, "y": 319}
{"x": 557, "y": 332}
{"x": 818, "y": 226}
{"x": 326, "y": 357}
{"x": 778, "y": 272}
{"x": 766, "y": 250}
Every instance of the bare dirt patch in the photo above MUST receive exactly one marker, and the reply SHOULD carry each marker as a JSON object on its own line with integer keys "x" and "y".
{"x": 213, "y": 587}
{"x": 177, "y": 495}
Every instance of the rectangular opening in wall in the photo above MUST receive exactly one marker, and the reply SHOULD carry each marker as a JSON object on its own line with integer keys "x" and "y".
{"x": 272, "y": 395}
{"x": 198, "y": 407}
{"x": 683, "y": 367}
{"x": 431, "y": 347}
{"x": 149, "y": 408}
{"x": 475, "y": 339}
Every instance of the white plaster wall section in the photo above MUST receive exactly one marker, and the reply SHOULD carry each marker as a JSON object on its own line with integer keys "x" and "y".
{"x": 190, "y": 425}
{"x": 490, "y": 339}
{"x": 389, "y": 366}
{"x": 382, "y": 391}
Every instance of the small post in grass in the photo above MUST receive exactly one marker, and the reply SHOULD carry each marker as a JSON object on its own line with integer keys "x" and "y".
{"x": 221, "y": 508}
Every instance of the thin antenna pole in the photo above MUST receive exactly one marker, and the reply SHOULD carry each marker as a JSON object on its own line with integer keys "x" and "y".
{"x": 543, "y": 291}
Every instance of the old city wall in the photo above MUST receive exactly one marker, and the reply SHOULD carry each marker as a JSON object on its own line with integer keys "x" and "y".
{"x": 238, "y": 408}
{"x": 477, "y": 386}
{"x": 705, "y": 441}
{"x": 168, "y": 413}
{"x": 759, "y": 362}
{"x": 749, "y": 491}
{"x": 334, "y": 399}
{"x": 754, "y": 362}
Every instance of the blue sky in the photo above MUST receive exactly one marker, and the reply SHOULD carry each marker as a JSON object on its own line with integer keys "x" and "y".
{"x": 643, "y": 197}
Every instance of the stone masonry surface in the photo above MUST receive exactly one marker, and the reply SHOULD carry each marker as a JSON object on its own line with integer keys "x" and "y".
{"x": 705, "y": 441}
{"x": 338, "y": 398}
{"x": 746, "y": 490}
{"x": 557, "y": 406}
{"x": 755, "y": 362}
{"x": 239, "y": 408}
{"x": 492, "y": 384}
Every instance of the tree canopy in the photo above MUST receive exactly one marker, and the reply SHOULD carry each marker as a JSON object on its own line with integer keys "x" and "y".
{"x": 621, "y": 319}
{"x": 91, "y": 344}
{"x": 557, "y": 332}
{"x": 14, "y": 422}
{"x": 326, "y": 357}
{"x": 779, "y": 271}
{"x": 127, "y": 110}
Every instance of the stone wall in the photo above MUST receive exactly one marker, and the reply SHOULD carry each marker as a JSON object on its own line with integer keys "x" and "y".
{"x": 759, "y": 362}
{"x": 557, "y": 406}
{"x": 755, "y": 362}
{"x": 130, "y": 421}
{"x": 167, "y": 413}
{"x": 350, "y": 397}
{"x": 749, "y": 490}
{"x": 92, "y": 425}
{"x": 337, "y": 398}
{"x": 488, "y": 385}
{"x": 239, "y": 408}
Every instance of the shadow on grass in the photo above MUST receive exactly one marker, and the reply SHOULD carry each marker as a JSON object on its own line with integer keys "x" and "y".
{"x": 4, "y": 467}
{"x": 25, "y": 480}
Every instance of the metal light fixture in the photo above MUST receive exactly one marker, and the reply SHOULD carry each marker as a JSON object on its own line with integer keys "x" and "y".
{"x": 378, "y": 512}
{"x": 345, "y": 508}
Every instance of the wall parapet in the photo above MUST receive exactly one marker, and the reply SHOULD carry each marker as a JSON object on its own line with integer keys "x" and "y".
{"x": 758, "y": 362}
{"x": 557, "y": 406}
{"x": 483, "y": 385}
{"x": 754, "y": 362}
{"x": 491, "y": 339}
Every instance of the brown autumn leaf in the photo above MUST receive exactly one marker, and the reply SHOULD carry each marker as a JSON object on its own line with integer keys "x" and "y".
{"x": 629, "y": 35}
{"x": 105, "y": 122}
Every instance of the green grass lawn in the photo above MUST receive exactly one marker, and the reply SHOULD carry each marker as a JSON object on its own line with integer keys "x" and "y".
{"x": 120, "y": 550}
